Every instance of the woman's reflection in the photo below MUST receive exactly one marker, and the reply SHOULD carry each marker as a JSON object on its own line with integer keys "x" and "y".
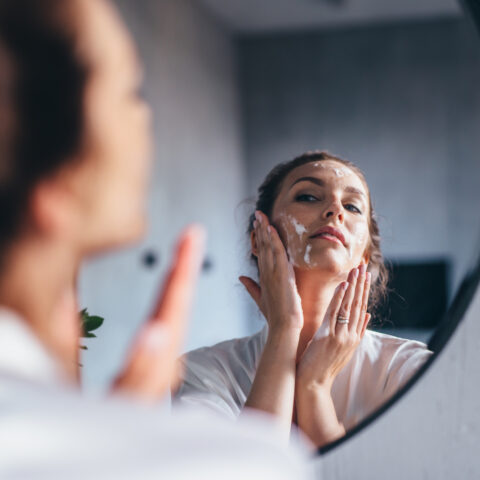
{"x": 316, "y": 244}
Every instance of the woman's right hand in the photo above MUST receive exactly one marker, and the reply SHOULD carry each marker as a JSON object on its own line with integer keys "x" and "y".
{"x": 276, "y": 296}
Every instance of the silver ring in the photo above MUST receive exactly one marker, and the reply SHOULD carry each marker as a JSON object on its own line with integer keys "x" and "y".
{"x": 342, "y": 320}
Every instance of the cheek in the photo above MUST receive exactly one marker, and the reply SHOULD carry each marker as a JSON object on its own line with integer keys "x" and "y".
{"x": 292, "y": 232}
{"x": 360, "y": 236}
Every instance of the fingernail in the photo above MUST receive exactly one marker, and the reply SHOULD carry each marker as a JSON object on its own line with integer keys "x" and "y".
{"x": 269, "y": 230}
{"x": 258, "y": 217}
{"x": 255, "y": 224}
{"x": 345, "y": 285}
{"x": 355, "y": 273}
{"x": 369, "y": 276}
{"x": 363, "y": 269}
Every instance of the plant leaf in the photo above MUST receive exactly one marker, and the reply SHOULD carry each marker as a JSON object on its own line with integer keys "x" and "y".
{"x": 92, "y": 323}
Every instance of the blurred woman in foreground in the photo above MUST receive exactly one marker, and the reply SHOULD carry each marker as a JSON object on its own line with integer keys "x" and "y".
{"x": 74, "y": 163}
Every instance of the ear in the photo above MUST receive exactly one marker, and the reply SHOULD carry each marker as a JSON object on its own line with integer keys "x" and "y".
{"x": 51, "y": 209}
{"x": 253, "y": 243}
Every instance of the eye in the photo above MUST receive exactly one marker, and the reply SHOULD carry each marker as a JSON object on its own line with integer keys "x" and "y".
{"x": 352, "y": 208}
{"x": 305, "y": 197}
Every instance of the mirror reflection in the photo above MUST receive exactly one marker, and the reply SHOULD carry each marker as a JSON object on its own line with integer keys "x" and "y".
{"x": 329, "y": 150}
{"x": 356, "y": 248}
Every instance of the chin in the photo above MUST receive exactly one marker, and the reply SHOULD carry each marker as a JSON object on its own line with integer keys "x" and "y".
{"x": 323, "y": 261}
{"x": 134, "y": 233}
{"x": 119, "y": 236}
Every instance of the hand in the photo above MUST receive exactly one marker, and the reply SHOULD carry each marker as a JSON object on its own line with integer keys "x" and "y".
{"x": 276, "y": 296}
{"x": 151, "y": 368}
{"x": 326, "y": 356}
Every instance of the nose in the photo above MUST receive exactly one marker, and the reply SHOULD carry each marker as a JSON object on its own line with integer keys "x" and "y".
{"x": 334, "y": 210}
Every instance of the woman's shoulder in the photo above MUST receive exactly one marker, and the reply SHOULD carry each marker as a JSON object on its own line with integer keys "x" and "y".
{"x": 396, "y": 357}
{"x": 244, "y": 350}
{"x": 383, "y": 343}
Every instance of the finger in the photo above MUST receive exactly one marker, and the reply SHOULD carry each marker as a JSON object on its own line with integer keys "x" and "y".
{"x": 265, "y": 257}
{"x": 348, "y": 298}
{"x": 176, "y": 295}
{"x": 335, "y": 304}
{"x": 368, "y": 316}
{"x": 356, "y": 316}
{"x": 366, "y": 295}
{"x": 278, "y": 249}
{"x": 253, "y": 288}
{"x": 151, "y": 364}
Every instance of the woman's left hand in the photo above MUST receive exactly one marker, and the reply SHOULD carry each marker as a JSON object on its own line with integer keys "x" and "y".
{"x": 325, "y": 356}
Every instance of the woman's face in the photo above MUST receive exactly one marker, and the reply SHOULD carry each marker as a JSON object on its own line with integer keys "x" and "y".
{"x": 321, "y": 214}
{"x": 112, "y": 175}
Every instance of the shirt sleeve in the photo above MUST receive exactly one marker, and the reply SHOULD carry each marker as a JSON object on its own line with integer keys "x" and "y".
{"x": 206, "y": 385}
{"x": 406, "y": 361}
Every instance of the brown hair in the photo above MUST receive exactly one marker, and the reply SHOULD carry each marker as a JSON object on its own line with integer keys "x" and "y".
{"x": 42, "y": 101}
{"x": 268, "y": 192}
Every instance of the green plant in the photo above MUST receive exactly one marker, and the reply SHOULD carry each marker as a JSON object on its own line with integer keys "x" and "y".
{"x": 89, "y": 324}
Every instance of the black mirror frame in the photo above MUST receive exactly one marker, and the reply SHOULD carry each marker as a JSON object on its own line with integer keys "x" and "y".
{"x": 452, "y": 317}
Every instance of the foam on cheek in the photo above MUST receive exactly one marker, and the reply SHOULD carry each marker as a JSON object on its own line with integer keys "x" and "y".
{"x": 299, "y": 228}
{"x": 306, "y": 257}
{"x": 294, "y": 237}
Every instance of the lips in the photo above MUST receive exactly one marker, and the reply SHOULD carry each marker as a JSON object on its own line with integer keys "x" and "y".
{"x": 330, "y": 233}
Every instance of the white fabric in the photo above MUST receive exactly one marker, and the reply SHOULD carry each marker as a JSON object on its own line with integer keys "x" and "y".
{"x": 48, "y": 430}
{"x": 220, "y": 377}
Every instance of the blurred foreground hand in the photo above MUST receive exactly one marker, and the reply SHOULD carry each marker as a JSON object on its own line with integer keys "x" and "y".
{"x": 151, "y": 367}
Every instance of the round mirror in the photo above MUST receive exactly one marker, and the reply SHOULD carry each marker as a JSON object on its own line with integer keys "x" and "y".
{"x": 239, "y": 87}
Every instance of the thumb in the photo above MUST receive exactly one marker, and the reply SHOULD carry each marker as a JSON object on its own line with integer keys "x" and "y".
{"x": 253, "y": 288}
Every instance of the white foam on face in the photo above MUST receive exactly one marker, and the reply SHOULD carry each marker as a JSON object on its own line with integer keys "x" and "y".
{"x": 306, "y": 257}
{"x": 299, "y": 228}
{"x": 293, "y": 243}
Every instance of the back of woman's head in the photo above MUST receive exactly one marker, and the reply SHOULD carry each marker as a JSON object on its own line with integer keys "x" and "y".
{"x": 42, "y": 82}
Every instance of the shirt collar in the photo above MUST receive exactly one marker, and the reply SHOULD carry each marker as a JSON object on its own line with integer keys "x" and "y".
{"x": 22, "y": 355}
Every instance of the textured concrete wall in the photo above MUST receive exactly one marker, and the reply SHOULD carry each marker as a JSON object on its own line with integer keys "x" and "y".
{"x": 401, "y": 101}
{"x": 191, "y": 83}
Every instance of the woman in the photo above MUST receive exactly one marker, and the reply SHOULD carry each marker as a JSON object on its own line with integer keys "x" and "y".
{"x": 74, "y": 162}
{"x": 316, "y": 243}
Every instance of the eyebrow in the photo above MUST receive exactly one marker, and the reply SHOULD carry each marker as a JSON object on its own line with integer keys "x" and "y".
{"x": 321, "y": 183}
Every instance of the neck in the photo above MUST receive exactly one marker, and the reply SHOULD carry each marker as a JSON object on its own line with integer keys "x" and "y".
{"x": 37, "y": 282}
{"x": 316, "y": 292}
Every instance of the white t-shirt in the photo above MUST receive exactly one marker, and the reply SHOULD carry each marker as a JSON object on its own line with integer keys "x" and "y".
{"x": 220, "y": 377}
{"x": 48, "y": 430}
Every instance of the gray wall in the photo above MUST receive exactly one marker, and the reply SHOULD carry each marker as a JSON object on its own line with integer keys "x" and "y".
{"x": 402, "y": 101}
{"x": 199, "y": 176}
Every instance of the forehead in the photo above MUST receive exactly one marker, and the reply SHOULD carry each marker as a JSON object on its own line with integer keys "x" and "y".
{"x": 333, "y": 173}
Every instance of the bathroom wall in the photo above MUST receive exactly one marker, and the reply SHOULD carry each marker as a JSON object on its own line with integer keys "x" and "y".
{"x": 401, "y": 100}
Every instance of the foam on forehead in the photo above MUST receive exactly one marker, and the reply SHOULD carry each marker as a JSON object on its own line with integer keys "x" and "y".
{"x": 339, "y": 170}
